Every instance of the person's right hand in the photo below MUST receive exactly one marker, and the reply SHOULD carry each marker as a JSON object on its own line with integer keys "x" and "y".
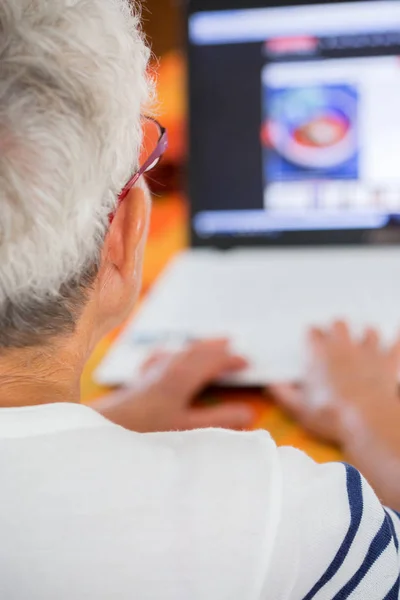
{"x": 345, "y": 378}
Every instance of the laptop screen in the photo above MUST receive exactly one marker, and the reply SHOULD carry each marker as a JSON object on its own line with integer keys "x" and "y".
{"x": 295, "y": 120}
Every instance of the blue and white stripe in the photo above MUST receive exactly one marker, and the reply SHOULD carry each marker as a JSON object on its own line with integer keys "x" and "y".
{"x": 367, "y": 563}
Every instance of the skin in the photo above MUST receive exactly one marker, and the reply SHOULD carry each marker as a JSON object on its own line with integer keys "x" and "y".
{"x": 162, "y": 398}
{"x": 350, "y": 397}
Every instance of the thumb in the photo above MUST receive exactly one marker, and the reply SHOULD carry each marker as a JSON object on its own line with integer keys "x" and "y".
{"x": 233, "y": 415}
{"x": 289, "y": 397}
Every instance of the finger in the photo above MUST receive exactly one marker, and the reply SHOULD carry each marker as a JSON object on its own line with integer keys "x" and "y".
{"x": 317, "y": 340}
{"x": 227, "y": 416}
{"x": 208, "y": 371}
{"x": 340, "y": 332}
{"x": 212, "y": 343}
{"x": 290, "y": 398}
{"x": 208, "y": 350}
{"x": 370, "y": 339}
{"x": 189, "y": 372}
{"x": 155, "y": 359}
{"x": 236, "y": 363}
{"x": 394, "y": 355}
{"x": 214, "y": 352}
{"x": 205, "y": 363}
{"x": 316, "y": 334}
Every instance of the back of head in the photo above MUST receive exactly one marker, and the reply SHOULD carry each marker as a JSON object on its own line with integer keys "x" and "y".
{"x": 72, "y": 87}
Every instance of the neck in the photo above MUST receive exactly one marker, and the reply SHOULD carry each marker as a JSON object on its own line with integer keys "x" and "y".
{"x": 50, "y": 374}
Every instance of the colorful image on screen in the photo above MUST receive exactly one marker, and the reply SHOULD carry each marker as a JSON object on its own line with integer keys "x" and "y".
{"x": 310, "y": 132}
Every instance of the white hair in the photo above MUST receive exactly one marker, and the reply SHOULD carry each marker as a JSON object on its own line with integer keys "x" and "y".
{"x": 72, "y": 87}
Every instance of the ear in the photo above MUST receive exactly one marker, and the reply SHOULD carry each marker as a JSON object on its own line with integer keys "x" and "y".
{"x": 119, "y": 279}
{"x": 127, "y": 234}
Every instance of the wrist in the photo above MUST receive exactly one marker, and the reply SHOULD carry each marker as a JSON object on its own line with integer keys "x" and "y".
{"x": 122, "y": 408}
{"x": 371, "y": 443}
{"x": 374, "y": 422}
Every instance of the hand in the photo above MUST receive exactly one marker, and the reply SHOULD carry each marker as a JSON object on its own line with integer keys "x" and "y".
{"x": 162, "y": 397}
{"x": 344, "y": 378}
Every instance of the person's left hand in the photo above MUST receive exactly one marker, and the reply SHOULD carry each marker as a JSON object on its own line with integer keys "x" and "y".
{"x": 162, "y": 397}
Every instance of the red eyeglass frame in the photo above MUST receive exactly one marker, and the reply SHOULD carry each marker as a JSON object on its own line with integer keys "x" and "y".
{"x": 153, "y": 159}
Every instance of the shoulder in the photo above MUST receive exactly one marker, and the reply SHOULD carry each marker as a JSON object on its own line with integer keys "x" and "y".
{"x": 339, "y": 539}
{"x": 241, "y": 466}
{"x": 206, "y": 444}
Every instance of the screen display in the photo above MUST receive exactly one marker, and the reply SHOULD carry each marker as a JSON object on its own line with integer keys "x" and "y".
{"x": 295, "y": 118}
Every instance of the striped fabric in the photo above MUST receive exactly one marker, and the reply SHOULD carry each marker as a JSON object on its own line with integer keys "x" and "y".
{"x": 367, "y": 563}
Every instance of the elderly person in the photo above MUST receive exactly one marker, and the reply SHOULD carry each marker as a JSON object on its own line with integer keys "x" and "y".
{"x": 90, "y": 509}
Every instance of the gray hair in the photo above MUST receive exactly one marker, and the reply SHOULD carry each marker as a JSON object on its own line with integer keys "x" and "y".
{"x": 72, "y": 87}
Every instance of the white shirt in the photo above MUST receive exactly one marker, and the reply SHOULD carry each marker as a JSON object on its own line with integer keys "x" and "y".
{"x": 90, "y": 511}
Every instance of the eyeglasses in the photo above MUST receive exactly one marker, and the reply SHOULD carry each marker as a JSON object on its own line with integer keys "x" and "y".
{"x": 154, "y": 145}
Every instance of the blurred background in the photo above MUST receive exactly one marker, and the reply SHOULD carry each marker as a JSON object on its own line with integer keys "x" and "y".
{"x": 163, "y": 24}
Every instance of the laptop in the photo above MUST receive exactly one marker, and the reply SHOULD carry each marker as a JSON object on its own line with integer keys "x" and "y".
{"x": 294, "y": 184}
